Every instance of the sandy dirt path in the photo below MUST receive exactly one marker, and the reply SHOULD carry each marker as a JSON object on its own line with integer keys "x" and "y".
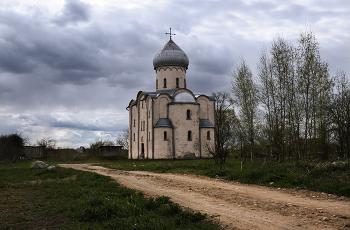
{"x": 238, "y": 206}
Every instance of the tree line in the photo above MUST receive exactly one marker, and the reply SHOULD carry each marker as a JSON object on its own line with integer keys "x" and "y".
{"x": 12, "y": 147}
{"x": 293, "y": 109}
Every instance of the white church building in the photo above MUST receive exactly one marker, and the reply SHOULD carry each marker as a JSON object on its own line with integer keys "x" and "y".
{"x": 171, "y": 122}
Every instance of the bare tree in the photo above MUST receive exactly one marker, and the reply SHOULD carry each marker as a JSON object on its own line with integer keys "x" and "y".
{"x": 123, "y": 139}
{"x": 223, "y": 127}
{"x": 48, "y": 143}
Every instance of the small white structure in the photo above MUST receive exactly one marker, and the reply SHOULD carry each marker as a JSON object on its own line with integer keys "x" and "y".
{"x": 171, "y": 122}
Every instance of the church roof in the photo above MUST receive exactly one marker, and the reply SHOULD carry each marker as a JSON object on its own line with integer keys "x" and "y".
{"x": 163, "y": 122}
{"x": 170, "y": 92}
{"x": 182, "y": 97}
{"x": 208, "y": 96}
{"x": 170, "y": 55}
{"x": 205, "y": 123}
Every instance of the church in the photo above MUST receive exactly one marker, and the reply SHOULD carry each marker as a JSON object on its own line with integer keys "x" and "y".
{"x": 171, "y": 122}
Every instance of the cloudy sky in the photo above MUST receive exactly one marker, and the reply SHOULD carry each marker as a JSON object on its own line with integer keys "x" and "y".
{"x": 69, "y": 68}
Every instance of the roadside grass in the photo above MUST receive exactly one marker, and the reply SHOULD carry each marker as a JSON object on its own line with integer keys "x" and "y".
{"x": 314, "y": 176}
{"x": 72, "y": 199}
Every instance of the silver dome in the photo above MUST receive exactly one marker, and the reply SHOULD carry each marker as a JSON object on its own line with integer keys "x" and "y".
{"x": 170, "y": 55}
{"x": 184, "y": 97}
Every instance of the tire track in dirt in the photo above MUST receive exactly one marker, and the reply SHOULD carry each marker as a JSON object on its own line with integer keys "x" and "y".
{"x": 238, "y": 205}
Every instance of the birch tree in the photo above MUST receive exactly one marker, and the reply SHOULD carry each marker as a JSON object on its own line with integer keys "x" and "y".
{"x": 314, "y": 87}
{"x": 339, "y": 113}
{"x": 245, "y": 94}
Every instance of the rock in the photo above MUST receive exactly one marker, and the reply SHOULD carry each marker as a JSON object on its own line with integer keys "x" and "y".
{"x": 39, "y": 165}
{"x": 51, "y": 168}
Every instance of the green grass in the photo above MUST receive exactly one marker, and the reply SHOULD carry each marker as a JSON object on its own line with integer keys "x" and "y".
{"x": 71, "y": 199}
{"x": 99, "y": 160}
{"x": 315, "y": 176}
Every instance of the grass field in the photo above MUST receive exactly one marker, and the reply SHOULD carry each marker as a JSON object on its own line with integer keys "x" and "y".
{"x": 70, "y": 199}
{"x": 315, "y": 176}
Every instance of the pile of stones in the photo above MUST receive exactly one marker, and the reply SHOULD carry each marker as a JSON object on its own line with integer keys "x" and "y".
{"x": 42, "y": 165}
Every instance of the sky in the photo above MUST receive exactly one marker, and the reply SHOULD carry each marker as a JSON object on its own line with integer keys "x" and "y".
{"x": 69, "y": 68}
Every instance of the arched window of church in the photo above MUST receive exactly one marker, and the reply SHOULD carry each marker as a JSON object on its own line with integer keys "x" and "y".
{"x": 134, "y": 136}
{"x": 156, "y": 84}
{"x": 165, "y": 135}
{"x": 177, "y": 82}
{"x": 184, "y": 83}
{"x": 208, "y": 135}
{"x": 189, "y": 136}
{"x": 164, "y": 83}
{"x": 188, "y": 115}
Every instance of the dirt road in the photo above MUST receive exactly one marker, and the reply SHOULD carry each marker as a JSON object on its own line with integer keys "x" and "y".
{"x": 237, "y": 205}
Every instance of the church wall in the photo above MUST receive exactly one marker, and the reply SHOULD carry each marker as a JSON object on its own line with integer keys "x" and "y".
{"x": 203, "y": 109}
{"x": 156, "y": 111}
{"x": 130, "y": 135}
{"x": 170, "y": 73}
{"x": 142, "y": 148}
{"x": 160, "y": 107}
{"x": 178, "y": 116}
{"x": 163, "y": 147}
{"x": 211, "y": 111}
{"x": 163, "y": 108}
{"x": 134, "y": 132}
{"x": 205, "y": 143}
{"x": 149, "y": 129}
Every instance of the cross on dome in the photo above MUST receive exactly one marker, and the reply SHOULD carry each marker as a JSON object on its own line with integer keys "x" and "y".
{"x": 170, "y": 33}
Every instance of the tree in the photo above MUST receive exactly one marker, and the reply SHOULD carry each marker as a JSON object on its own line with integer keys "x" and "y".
{"x": 314, "y": 87}
{"x": 49, "y": 145}
{"x": 123, "y": 139}
{"x": 279, "y": 98}
{"x": 11, "y": 146}
{"x": 223, "y": 127}
{"x": 245, "y": 93}
{"x": 339, "y": 114}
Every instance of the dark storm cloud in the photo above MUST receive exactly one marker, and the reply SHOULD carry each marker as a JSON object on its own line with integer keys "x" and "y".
{"x": 74, "y": 11}
{"x": 93, "y": 55}
{"x": 82, "y": 126}
{"x": 62, "y": 73}
{"x": 12, "y": 61}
